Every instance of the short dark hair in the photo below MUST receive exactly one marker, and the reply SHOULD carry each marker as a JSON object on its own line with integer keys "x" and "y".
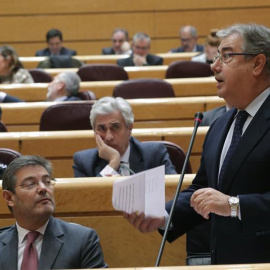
{"x": 54, "y": 33}
{"x": 9, "y": 176}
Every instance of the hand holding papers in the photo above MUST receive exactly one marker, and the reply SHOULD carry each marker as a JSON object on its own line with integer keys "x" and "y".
{"x": 141, "y": 192}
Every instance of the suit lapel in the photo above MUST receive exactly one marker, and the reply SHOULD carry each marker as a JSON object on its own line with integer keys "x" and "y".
{"x": 52, "y": 243}
{"x": 9, "y": 252}
{"x": 222, "y": 128}
{"x": 135, "y": 158}
{"x": 253, "y": 134}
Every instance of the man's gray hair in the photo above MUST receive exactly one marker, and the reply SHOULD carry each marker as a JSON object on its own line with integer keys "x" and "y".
{"x": 256, "y": 39}
{"x": 191, "y": 29}
{"x": 141, "y": 36}
{"x": 9, "y": 176}
{"x": 72, "y": 82}
{"x": 108, "y": 105}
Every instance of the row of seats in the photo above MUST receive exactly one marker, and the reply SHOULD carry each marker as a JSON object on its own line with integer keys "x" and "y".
{"x": 176, "y": 153}
{"x": 107, "y": 72}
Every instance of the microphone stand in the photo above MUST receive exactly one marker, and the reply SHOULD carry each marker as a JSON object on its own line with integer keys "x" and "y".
{"x": 198, "y": 120}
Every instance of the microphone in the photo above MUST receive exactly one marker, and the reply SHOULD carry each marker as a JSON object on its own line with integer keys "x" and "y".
{"x": 197, "y": 120}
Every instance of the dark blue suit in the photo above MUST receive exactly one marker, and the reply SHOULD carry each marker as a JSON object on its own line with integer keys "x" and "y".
{"x": 108, "y": 50}
{"x": 65, "y": 246}
{"x": 152, "y": 60}
{"x": 63, "y": 51}
{"x": 248, "y": 176}
{"x": 87, "y": 163}
{"x": 199, "y": 48}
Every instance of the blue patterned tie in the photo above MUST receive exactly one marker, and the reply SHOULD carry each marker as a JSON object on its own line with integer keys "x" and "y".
{"x": 237, "y": 134}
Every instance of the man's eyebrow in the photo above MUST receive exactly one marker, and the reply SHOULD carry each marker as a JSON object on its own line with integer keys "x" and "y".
{"x": 225, "y": 49}
{"x": 31, "y": 177}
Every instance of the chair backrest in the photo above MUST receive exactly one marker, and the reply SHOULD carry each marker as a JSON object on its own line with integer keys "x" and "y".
{"x": 87, "y": 95}
{"x": 40, "y": 76}
{"x": 102, "y": 72}
{"x": 67, "y": 115}
{"x": 188, "y": 69}
{"x": 3, "y": 127}
{"x": 177, "y": 156}
{"x": 6, "y": 156}
{"x": 143, "y": 88}
{"x": 60, "y": 61}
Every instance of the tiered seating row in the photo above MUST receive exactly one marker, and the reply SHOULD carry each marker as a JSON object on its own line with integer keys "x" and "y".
{"x": 59, "y": 146}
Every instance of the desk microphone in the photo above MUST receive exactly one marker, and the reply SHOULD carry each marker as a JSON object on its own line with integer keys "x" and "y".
{"x": 197, "y": 120}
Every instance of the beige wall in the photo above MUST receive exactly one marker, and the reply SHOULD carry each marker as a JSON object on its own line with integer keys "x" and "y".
{"x": 87, "y": 25}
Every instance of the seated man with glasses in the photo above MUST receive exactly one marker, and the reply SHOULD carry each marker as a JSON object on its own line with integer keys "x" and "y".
{"x": 140, "y": 56}
{"x": 38, "y": 240}
{"x": 188, "y": 38}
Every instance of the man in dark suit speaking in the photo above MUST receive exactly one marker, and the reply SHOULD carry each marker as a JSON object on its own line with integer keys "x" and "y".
{"x": 141, "y": 57}
{"x": 54, "y": 244}
{"x": 232, "y": 186}
{"x": 117, "y": 152}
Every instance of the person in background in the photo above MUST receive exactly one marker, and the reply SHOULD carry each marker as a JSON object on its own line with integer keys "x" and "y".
{"x": 210, "y": 48}
{"x": 28, "y": 190}
{"x": 54, "y": 40}
{"x": 120, "y": 43}
{"x": 232, "y": 187}
{"x": 11, "y": 71}
{"x": 64, "y": 87}
{"x": 209, "y": 117}
{"x": 188, "y": 38}
{"x": 112, "y": 121}
{"x": 140, "y": 57}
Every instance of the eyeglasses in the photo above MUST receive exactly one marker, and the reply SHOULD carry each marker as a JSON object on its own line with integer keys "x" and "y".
{"x": 31, "y": 184}
{"x": 141, "y": 48}
{"x": 225, "y": 57}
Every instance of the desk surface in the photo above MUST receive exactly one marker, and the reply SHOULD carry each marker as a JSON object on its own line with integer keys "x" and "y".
{"x": 32, "y": 62}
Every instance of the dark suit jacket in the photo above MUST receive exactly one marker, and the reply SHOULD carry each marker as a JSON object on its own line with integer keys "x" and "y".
{"x": 72, "y": 98}
{"x": 87, "y": 163}
{"x": 210, "y": 116}
{"x": 10, "y": 99}
{"x": 152, "y": 60}
{"x": 63, "y": 51}
{"x": 108, "y": 50}
{"x": 247, "y": 176}
{"x": 199, "y": 48}
{"x": 65, "y": 246}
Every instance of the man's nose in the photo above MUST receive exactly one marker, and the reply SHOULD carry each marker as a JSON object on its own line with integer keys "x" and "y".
{"x": 216, "y": 66}
{"x": 108, "y": 135}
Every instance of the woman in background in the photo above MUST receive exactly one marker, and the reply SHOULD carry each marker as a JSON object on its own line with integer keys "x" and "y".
{"x": 210, "y": 48}
{"x": 11, "y": 69}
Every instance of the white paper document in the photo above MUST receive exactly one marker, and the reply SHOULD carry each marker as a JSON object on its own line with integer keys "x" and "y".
{"x": 142, "y": 192}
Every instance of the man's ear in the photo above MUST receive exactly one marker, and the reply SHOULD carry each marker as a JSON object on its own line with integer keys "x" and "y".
{"x": 7, "y": 195}
{"x": 259, "y": 64}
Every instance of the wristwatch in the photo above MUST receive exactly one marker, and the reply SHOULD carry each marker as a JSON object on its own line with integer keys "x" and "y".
{"x": 234, "y": 203}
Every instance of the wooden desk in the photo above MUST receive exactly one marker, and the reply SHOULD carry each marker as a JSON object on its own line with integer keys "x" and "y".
{"x": 59, "y": 146}
{"x": 187, "y": 87}
{"x": 32, "y": 62}
{"x": 87, "y": 201}
{"x": 176, "y": 112}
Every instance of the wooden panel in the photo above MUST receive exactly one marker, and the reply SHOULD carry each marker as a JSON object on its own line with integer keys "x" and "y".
{"x": 182, "y": 88}
{"x": 176, "y": 112}
{"x": 32, "y": 62}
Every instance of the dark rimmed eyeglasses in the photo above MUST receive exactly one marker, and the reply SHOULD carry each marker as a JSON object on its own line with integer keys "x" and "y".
{"x": 225, "y": 57}
{"x": 31, "y": 184}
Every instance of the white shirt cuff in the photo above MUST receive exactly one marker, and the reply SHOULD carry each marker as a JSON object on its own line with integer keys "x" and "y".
{"x": 108, "y": 171}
